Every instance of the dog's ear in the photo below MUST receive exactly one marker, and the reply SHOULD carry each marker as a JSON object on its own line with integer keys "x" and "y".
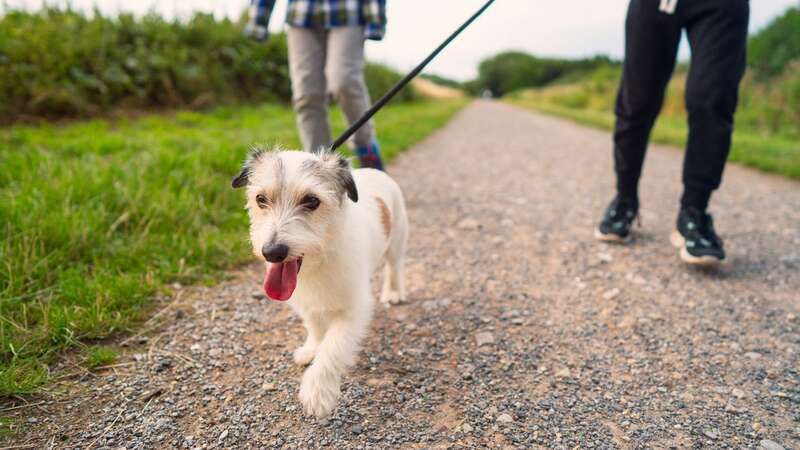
{"x": 338, "y": 168}
{"x": 347, "y": 180}
{"x": 243, "y": 178}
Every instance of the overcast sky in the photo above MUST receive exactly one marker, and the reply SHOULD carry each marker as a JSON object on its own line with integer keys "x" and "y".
{"x": 571, "y": 28}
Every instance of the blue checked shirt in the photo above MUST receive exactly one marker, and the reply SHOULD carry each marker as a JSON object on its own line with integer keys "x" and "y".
{"x": 371, "y": 14}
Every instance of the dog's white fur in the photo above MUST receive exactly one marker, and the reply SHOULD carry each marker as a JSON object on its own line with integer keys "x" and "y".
{"x": 341, "y": 243}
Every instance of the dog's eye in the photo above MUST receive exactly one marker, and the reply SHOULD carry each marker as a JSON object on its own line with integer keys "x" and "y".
{"x": 310, "y": 202}
{"x": 262, "y": 201}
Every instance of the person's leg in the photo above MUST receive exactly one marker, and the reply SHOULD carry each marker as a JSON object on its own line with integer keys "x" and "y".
{"x": 652, "y": 36}
{"x": 345, "y": 75}
{"x": 717, "y": 31}
{"x": 307, "y": 52}
{"x": 651, "y": 45}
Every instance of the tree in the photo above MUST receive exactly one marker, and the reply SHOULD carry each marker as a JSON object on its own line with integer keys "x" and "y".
{"x": 775, "y": 46}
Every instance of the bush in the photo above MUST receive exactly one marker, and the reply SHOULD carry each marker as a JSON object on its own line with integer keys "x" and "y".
{"x": 63, "y": 63}
{"x": 772, "y": 49}
{"x": 442, "y": 81}
{"x": 511, "y": 71}
{"x": 381, "y": 78}
{"x": 772, "y": 107}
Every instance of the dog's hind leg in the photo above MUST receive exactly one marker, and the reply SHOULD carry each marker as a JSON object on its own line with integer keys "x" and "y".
{"x": 393, "y": 291}
{"x": 337, "y": 352}
{"x": 305, "y": 354}
{"x": 394, "y": 283}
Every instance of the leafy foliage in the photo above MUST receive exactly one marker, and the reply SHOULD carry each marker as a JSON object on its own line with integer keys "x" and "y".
{"x": 442, "y": 81}
{"x": 511, "y": 71}
{"x": 63, "y": 63}
{"x": 772, "y": 50}
{"x": 381, "y": 78}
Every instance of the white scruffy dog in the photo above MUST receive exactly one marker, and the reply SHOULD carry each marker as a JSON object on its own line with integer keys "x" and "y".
{"x": 311, "y": 210}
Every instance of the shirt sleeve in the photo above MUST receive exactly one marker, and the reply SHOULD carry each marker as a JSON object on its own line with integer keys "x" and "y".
{"x": 258, "y": 21}
{"x": 375, "y": 19}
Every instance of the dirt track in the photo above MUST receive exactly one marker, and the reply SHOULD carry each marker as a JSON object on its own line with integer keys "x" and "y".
{"x": 521, "y": 331}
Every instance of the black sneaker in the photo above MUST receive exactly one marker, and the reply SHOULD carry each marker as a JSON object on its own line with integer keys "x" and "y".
{"x": 696, "y": 238}
{"x": 617, "y": 221}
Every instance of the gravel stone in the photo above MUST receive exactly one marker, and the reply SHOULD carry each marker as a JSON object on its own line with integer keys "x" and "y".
{"x": 711, "y": 434}
{"x": 505, "y": 418}
{"x": 610, "y": 294}
{"x": 766, "y": 444}
{"x": 484, "y": 338}
{"x": 469, "y": 224}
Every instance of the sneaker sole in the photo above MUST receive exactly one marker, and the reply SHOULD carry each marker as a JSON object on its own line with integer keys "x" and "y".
{"x": 678, "y": 241}
{"x": 611, "y": 237}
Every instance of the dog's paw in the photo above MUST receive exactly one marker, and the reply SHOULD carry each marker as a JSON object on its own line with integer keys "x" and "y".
{"x": 318, "y": 395}
{"x": 392, "y": 297}
{"x": 304, "y": 355}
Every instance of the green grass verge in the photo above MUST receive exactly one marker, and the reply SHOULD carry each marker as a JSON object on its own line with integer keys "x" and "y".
{"x": 770, "y": 153}
{"x": 97, "y": 217}
{"x": 97, "y": 356}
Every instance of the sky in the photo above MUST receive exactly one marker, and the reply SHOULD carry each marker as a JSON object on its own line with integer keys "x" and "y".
{"x": 567, "y": 28}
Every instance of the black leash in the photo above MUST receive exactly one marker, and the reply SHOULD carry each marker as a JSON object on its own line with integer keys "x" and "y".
{"x": 402, "y": 83}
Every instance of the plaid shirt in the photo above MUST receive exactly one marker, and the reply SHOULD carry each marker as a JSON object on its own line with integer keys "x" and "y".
{"x": 322, "y": 13}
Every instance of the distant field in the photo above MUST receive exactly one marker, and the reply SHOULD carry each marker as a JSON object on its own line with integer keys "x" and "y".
{"x": 767, "y": 133}
{"x": 98, "y": 217}
{"x": 430, "y": 89}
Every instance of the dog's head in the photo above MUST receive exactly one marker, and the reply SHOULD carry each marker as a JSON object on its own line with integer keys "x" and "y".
{"x": 293, "y": 200}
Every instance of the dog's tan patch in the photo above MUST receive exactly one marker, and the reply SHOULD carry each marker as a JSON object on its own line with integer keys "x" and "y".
{"x": 386, "y": 216}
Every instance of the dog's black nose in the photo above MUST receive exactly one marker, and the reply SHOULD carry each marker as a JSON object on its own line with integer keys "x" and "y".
{"x": 275, "y": 253}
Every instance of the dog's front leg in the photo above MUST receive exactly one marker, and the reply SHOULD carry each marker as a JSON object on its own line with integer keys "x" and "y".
{"x": 338, "y": 350}
{"x": 314, "y": 327}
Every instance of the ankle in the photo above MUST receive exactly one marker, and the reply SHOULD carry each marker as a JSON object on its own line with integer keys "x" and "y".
{"x": 629, "y": 199}
{"x": 695, "y": 198}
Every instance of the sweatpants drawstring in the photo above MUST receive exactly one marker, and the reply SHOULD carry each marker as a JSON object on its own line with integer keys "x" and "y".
{"x": 668, "y": 6}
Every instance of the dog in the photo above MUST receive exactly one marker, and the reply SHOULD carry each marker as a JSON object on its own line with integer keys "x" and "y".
{"x": 323, "y": 230}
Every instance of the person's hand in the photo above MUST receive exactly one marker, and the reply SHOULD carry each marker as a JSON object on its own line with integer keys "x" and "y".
{"x": 256, "y": 32}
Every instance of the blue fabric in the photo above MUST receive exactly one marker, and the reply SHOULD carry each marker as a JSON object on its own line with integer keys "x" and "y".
{"x": 370, "y": 156}
{"x": 371, "y": 14}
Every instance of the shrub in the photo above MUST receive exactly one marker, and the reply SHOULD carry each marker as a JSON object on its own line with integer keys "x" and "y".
{"x": 511, "y": 71}
{"x": 442, "y": 81}
{"x": 64, "y": 63}
{"x": 772, "y": 49}
{"x": 381, "y": 78}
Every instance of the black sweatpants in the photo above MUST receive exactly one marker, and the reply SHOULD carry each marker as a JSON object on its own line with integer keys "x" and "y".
{"x": 717, "y": 31}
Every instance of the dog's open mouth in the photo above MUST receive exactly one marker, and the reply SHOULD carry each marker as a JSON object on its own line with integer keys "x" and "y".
{"x": 281, "y": 279}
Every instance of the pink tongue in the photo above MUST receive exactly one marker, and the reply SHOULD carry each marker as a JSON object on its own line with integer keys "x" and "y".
{"x": 281, "y": 280}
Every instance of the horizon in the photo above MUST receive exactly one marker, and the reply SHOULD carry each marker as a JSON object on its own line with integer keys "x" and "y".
{"x": 411, "y": 36}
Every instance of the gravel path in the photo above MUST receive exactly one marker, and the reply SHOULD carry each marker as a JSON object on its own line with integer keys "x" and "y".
{"x": 522, "y": 331}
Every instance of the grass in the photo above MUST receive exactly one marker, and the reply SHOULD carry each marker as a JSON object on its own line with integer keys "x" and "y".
{"x": 98, "y": 217}
{"x": 590, "y": 102}
{"x": 97, "y": 356}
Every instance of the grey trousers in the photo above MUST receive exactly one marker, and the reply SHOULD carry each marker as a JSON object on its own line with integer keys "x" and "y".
{"x": 323, "y": 62}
